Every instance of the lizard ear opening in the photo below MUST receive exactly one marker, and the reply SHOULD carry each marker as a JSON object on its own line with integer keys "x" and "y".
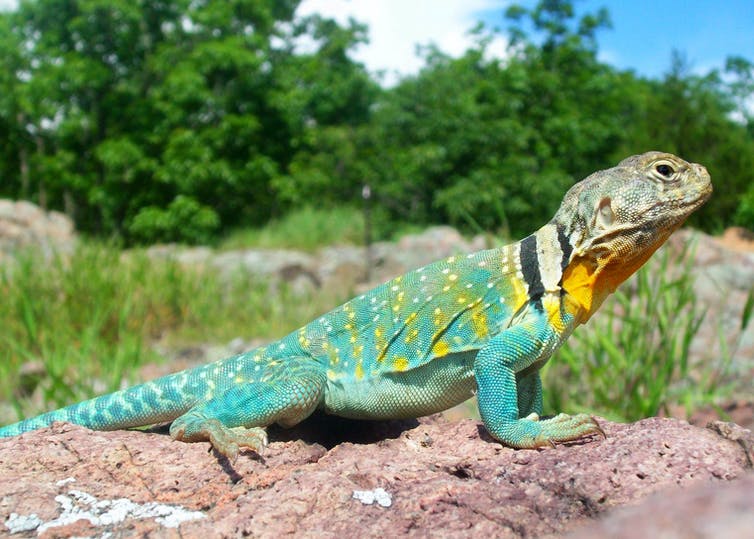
{"x": 604, "y": 216}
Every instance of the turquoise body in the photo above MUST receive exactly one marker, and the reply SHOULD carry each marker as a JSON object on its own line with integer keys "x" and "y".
{"x": 374, "y": 357}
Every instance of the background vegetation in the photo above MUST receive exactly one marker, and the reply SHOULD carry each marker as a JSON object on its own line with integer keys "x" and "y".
{"x": 177, "y": 120}
{"x": 84, "y": 324}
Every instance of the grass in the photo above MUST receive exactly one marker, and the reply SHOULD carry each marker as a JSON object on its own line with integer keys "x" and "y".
{"x": 87, "y": 322}
{"x": 304, "y": 229}
{"x": 308, "y": 229}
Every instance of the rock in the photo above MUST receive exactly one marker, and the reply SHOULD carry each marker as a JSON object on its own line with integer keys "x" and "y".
{"x": 25, "y": 225}
{"x": 335, "y": 477}
{"x": 702, "y": 510}
{"x": 415, "y": 250}
{"x": 264, "y": 262}
{"x": 342, "y": 266}
{"x": 738, "y": 239}
{"x": 336, "y": 267}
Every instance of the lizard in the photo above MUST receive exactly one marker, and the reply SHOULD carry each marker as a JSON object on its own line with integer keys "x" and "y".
{"x": 482, "y": 323}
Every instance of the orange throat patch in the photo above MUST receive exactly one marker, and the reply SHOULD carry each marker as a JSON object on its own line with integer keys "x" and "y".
{"x": 579, "y": 282}
{"x": 588, "y": 282}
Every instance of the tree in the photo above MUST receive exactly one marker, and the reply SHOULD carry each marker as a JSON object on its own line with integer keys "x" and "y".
{"x": 486, "y": 143}
{"x": 141, "y": 117}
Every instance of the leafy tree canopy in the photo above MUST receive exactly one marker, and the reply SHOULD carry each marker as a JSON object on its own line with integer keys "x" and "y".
{"x": 176, "y": 120}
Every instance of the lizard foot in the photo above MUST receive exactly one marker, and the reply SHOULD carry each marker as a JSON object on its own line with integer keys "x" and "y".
{"x": 227, "y": 441}
{"x": 531, "y": 432}
{"x": 566, "y": 428}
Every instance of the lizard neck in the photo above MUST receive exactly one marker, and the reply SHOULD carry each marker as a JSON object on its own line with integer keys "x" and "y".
{"x": 555, "y": 264}
{"x": 588, "y": 280}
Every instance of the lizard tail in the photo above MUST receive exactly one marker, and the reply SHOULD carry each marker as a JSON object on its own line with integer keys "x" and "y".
{"x": 158, "y": 401}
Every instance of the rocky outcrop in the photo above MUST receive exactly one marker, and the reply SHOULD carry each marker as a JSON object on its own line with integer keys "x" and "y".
{"x": 339, "y": 266}
{"x": 723, "y": 280}
{"x": 26, "y": 225}
{"x": 334, "y": 477}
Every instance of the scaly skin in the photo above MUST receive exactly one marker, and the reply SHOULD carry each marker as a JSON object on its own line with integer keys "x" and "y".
{"x": 425, "y": 341}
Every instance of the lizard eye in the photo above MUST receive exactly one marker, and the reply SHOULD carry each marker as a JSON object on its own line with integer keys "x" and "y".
{"x": 665, "y": 170}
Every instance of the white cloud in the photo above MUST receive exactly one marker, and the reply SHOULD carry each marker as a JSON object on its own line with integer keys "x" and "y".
{"x": 396, "y": 27}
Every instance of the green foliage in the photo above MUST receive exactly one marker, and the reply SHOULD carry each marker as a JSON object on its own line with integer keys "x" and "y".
{"x": 184, "y": 220}
{"x": 136, "y": 118}
{"x": 632, "y": 359}
{"x": 745, "y": 212}
{"x": 85, "y": 321}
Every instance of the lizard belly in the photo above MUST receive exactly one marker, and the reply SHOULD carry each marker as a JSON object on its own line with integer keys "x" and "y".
{"x": 417, "y": 392}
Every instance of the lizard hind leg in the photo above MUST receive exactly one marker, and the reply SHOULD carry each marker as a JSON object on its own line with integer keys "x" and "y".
{"x": 236, "y": 417}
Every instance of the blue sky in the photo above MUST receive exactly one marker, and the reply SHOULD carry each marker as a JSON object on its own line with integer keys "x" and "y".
{"x": 643, "y": 35}
{"x": 645, "y": 32}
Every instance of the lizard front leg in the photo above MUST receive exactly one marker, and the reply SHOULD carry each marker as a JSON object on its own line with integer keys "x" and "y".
{"x": 529, "y": 389}
{"x": 236, "y": 417}
{"x": 502, "y": 399}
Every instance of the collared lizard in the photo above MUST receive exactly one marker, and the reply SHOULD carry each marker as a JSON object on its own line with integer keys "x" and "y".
{"x": 480, "y": 323}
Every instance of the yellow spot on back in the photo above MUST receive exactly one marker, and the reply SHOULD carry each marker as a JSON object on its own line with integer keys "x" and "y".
{"x": 440, "y": 349}
{"x": 400, "y": 364}
{"x": 413, "y": 334}
{"x": 333, "y": 354}
{"x": 359, "y": 371}
{"x": 479, "y": 323}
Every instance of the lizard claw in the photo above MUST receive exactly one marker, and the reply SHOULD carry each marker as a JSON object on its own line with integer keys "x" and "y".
{"x": 226, "y": 441}
{"x": 598, "y": 429}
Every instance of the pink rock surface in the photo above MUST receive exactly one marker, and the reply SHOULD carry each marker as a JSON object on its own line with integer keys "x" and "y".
{"x": 431, "y": 476}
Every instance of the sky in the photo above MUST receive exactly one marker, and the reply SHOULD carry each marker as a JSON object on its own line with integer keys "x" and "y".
{"x": 644, "y": 32}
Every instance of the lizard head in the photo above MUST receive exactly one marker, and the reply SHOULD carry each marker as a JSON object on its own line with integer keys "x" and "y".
{"x": 616, "y": 218}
